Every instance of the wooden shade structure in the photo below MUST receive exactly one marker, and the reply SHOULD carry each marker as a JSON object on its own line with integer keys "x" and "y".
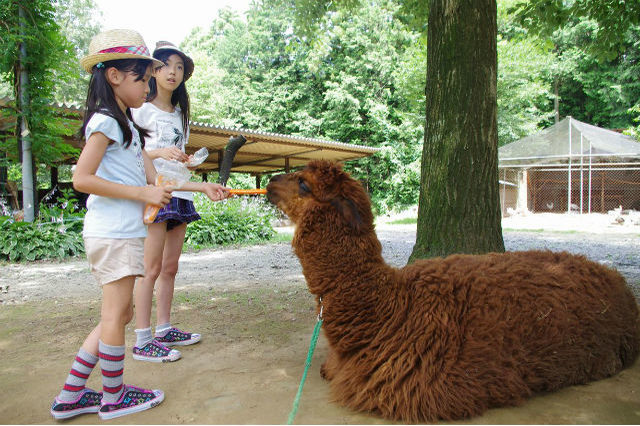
{"x": 268, "y": 152}
{"x": 263, "y": 152}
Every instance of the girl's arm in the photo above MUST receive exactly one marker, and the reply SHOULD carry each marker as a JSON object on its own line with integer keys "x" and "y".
{"x": 85, "y": 179}
{"x": 149, "y": 169}
{"x": 214, "y": 191}
{"x": 169, "y": 153}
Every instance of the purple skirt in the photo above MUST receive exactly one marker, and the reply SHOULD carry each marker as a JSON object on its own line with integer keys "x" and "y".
{"x": 177, "y": 212}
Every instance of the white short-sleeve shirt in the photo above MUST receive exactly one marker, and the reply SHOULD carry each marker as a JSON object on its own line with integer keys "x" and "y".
{"x": 116, "y": 217}
{"x": 165, "y": 130}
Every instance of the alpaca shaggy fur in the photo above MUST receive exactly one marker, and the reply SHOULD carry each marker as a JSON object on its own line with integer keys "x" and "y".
{"x": 448, "y": 338}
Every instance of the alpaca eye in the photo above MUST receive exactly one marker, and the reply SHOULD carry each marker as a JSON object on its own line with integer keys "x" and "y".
{"x": 304, "y": 189}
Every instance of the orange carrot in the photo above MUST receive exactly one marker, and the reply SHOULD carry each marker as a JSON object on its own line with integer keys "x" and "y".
{"x": 151, "y": 211}
{"x": 247, "y": 191}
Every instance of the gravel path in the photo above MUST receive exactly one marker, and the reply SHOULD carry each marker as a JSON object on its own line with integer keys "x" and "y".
{"x": 618, "y": 250}
{"x": 275, "y": 265}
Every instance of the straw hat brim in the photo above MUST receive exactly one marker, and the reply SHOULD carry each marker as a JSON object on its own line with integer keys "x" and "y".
{"x": 89, "y": 61}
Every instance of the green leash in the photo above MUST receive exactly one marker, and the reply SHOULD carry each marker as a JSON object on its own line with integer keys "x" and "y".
{"x": 312, "y": 347}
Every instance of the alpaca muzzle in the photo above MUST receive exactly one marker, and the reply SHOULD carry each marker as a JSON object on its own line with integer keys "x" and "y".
{"x": 280, "y": 189}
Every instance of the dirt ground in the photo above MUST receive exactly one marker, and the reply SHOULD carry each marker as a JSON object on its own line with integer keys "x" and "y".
{"x": 256, "y": 317}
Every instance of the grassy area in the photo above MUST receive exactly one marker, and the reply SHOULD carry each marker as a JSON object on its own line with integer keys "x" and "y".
{"x": 540, "y": 230}
{"x": 282, "y": 237}
{"x": 404, "y": 221}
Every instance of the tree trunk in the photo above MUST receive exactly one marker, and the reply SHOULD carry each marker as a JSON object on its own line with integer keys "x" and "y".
{"x": 459, "y": 205}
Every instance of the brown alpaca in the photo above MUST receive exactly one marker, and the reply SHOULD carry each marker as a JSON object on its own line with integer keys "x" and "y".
{"x": 448, "y": 338}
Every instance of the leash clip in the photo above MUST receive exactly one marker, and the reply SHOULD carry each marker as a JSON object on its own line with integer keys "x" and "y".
{"x": 321, "y": 308}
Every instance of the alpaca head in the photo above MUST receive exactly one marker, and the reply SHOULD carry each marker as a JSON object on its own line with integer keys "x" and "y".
{"x": 322, "y": 188}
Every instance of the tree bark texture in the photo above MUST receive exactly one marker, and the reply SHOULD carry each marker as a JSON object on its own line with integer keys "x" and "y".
{"x": 459, "y": 204}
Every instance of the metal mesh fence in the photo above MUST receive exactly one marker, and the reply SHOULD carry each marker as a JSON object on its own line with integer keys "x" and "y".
{"x": 596, "y": 189}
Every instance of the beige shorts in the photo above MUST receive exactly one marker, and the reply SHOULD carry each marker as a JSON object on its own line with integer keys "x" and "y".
{"x": 111, "y": 259}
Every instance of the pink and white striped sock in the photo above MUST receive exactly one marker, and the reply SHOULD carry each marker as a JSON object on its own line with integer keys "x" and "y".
{"x": 77, "y": 379}
{"x": 112, "y": 364}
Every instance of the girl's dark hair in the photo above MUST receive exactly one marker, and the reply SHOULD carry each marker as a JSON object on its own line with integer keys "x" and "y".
{"x": 100, "y": 96}
{"x": 178, "y": 97}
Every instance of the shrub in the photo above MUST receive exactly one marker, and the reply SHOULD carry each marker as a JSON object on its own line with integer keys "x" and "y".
{"x": 232, "y": 221}
{"x": 58, "y": 231}
{"x": 56, "y": 234}
{"x": 20, "y": 241}
{"x": 65, "y": 210}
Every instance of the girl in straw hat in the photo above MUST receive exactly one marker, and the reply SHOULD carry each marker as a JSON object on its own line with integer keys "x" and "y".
{"x": 115, "y": 170}
{"x": 166, "y": 115}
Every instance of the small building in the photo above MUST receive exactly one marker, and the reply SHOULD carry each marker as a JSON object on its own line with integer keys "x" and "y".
{"x": 570, "y": 166}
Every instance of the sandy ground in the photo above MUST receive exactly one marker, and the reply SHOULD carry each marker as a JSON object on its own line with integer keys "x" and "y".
{"x": 256, "y": 316}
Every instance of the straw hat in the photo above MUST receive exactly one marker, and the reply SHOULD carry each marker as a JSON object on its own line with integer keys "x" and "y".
{"x": 116, "y": 44}
{"x": 188, "y": 62}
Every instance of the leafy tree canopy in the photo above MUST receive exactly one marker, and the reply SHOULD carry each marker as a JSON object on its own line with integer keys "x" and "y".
{"x": 46, "y": 49}
{"x": 613, "y": 18}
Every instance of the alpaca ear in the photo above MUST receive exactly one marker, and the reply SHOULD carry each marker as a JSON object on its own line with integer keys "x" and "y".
{"x": 349, "y": 211}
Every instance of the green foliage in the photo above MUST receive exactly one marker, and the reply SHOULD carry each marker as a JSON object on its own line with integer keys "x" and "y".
{"x": 598, "y": 91}
{"x": 233, "y": 221}
{"x": 635, "y": 131}
{"x": 592, "y": 87}
{"x": 78, "y": 24}
{"x": 524, "y": 95}
{"x": 361, "y": 81}
{"x": 65, "y": 210}
{"x": 212, "y": 87}
{"x": 56, "y": 234}
{"x": 23, "y": 241}
{"x": 405, "y": 221}
{"x": 526, "y": 66}
{"x": 309, "y": 14}
{"x": 5, "y": 89}
{"x": 613, "y": 18}
{"x": 46, "y": 49}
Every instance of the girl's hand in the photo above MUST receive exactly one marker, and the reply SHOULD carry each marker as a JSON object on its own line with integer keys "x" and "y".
{"x": 215, "y": 191}
{"x": 172, "y": 153}
{"x": 189, "y": 159}
{"x": 156, "y": 195}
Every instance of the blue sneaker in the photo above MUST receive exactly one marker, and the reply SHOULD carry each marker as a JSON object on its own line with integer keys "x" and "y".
{"x": 132, "y": 400}
{"x": 88, "y": 402}
{"x": 155, "y": 351}
{"x": 177, "y": 337}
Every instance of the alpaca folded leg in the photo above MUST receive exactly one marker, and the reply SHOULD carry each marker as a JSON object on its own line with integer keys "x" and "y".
{"x": 330, "y": 366}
